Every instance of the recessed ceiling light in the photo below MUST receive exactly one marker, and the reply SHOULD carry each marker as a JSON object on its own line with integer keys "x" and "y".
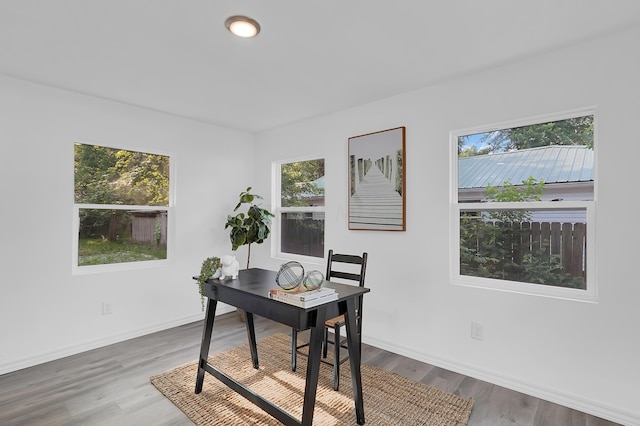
{"x": 242, "y": 26}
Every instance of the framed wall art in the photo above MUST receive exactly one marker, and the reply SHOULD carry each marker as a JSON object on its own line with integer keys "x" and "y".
{"x": 377, "y": 196}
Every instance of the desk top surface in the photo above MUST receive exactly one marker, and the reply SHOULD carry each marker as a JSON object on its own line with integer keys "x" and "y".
{"x": 259, "y": 281}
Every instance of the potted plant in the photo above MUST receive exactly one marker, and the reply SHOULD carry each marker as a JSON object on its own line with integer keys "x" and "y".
{"x": 250, "y": 227}
{"x": 209, "y": 267}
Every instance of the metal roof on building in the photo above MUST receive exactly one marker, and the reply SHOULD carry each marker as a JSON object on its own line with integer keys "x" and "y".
{"x": 551, "y": 164}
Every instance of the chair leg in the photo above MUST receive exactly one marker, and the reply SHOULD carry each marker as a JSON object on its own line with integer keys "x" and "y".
{"x": 294, "y": 349}
{"x": 336, "y": 357}
{"x": 325, "y": 342}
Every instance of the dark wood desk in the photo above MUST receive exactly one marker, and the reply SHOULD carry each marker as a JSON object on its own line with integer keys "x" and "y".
{"x": 249, "y": 292}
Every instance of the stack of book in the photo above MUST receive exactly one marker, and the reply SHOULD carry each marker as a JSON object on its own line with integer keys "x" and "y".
{"x": 304, "y": 298}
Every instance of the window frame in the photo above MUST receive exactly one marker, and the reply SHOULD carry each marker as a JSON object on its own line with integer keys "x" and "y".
{"x": 276, "y": 247}
{"x": 590, "y": 294}
{"x": 169, "y": 209}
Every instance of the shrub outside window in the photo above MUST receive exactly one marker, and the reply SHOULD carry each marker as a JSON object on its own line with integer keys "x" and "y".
{"x": 300, "y": 208}
{"x": 523, "y": 206}
{"x": 121, "y": 207}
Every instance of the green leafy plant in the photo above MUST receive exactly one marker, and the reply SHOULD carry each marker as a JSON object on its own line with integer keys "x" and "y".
{"x": 157, "y": 231}
{"x": 250, "y": 227}
{"x": 209, "y": 267}
{"x": 530, "y": 190}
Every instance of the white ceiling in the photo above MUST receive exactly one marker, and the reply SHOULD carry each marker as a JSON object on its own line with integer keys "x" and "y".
{"x": 311, "y": 58}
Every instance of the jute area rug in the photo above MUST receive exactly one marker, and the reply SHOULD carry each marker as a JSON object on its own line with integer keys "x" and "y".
{"x": 389, "y": 399}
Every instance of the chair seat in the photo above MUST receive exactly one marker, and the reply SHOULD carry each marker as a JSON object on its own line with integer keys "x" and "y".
{"x": 337, "y": 320}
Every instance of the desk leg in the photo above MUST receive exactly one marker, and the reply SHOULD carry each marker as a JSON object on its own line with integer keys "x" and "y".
{"x": 206, "y": 342}
{"x": 355, "y": 358}
{"x": 251, "y": 334}
{"x": 313, "y": 367}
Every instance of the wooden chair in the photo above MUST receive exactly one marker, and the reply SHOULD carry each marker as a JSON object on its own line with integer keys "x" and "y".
{"x": 336, "y": 323}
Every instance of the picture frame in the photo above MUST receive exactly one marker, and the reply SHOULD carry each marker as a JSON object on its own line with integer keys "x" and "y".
{"x": 377, "y": 181}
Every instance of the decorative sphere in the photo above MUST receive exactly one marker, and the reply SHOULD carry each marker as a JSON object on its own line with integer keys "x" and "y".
{"x": 290, "y": 275}
{"x": 313, "y": 280}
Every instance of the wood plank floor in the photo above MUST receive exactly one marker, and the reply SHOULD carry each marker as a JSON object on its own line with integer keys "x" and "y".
{"x": 110, "y": 385}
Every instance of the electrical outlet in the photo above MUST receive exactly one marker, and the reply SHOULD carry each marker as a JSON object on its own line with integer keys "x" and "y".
{"x": 477, "y": 332}
{"x": 107, "y": 308}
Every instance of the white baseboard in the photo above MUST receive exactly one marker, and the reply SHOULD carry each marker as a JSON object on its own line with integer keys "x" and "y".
{"x": 568, "y": 400}
{"x": 94, "y": 344}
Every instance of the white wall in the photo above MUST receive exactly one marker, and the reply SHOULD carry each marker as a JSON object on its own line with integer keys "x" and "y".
{"x": 45, "y": 312}
{"x": 584, "y": 355}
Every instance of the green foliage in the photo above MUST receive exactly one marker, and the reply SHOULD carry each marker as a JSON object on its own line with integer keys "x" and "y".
{"x": 481, "y": 251}
{"x": 157, "y": 230}
{"x": 102, "y": 223}
{"x": 111, "y": 176}
{"x": 141, "y": 178}
{"x": 486, "y": 249}
{"x": 490, "y": 243}
{"x": 208, "y": 268}
{"x": 297, "y": 182}
{"x": 530, "y": 190}
{"x": 250, "y": 227}
{"x": 572, "y": 131}
{"x": 92, "y": 174}
{"x": 541, "y": 268}
{"x": 470, "y": 151}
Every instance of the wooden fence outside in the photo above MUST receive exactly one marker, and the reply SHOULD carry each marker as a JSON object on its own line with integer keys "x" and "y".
{"x": 302, "y": 234}
{"x": 567, "y": 240}
{"x": 143, "y": 228}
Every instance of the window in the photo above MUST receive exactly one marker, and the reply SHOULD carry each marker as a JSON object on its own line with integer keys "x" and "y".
{"x": 300, "y": 208}
{"x": 121, "y": 207}
{"x": 523, "y": 206}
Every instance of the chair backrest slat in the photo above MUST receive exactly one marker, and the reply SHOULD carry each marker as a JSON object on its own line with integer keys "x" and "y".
{"x": 349, "y": 259}
{"x": 345, "y": 276}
